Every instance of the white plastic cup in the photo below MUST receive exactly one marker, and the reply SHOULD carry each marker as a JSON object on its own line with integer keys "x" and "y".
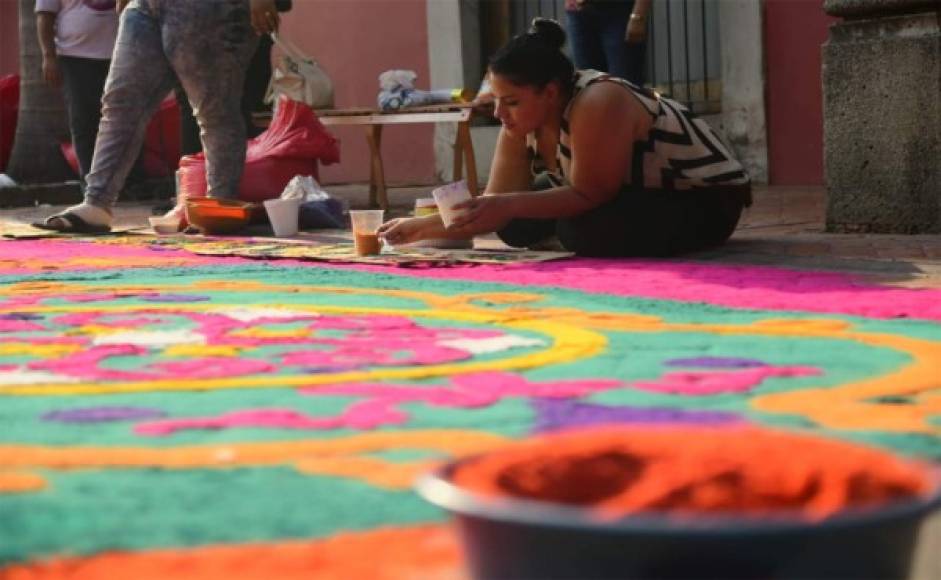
{"x": 283, "y": 213}
{"x": 447, "y": 196}
{"x": 365, "y": 223}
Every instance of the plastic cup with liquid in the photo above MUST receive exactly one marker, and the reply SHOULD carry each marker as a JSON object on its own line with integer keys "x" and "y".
{"x": 365, "y": 223}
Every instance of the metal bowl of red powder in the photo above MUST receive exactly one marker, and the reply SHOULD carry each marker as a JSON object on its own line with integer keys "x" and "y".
{"x": 686, "y": 503}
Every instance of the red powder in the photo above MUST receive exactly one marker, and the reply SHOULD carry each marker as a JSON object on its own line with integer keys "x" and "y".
{"x": 747, "y": 471}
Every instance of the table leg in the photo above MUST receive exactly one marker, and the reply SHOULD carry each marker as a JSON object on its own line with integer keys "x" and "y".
{"x": 467, "y": 148}
{"x": 377, "y": 178}
{"x": 458, "y": 165}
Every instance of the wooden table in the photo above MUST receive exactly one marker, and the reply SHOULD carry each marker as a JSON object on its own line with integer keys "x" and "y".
{"x": 374, "y": 120}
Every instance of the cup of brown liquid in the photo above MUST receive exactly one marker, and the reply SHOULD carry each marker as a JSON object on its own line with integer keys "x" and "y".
{"x": 365, "y": 223}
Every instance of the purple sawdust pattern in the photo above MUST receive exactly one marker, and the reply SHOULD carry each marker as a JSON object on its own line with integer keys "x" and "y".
{"x": 716, "y": 362}
{"x": 103, "y": 414}
{"x": 555, "y": 414}
{"x": 20, "y": 316}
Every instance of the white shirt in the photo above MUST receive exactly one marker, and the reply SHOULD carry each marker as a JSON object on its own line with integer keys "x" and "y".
{"x": 84, "y": 28}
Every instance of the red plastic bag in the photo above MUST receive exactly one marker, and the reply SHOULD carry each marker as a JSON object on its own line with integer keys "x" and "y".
{"x": 293, "y": 145}
{"x": 9, "y": 110}
{"x": 161, "y": 149}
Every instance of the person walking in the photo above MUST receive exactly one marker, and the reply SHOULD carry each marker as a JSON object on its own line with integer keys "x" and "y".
{"x": 76, "y": 38}
{"x": 610, "y": 36}
{"x": 205, "y": 45}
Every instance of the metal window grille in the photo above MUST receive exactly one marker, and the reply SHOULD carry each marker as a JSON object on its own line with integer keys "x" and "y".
{"x": 683, "y": 60}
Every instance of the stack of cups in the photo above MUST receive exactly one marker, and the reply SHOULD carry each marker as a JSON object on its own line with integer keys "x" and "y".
{"x": 447, "y": 196}
{"x": 365, "y": 223}
{"x": 425, "y": 206}
{"x": 283, "y": 214}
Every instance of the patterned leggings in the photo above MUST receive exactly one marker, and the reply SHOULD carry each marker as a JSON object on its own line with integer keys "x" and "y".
{"x": 207, "y": 45}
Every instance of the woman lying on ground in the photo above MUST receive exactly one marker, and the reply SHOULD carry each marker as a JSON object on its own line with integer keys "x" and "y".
{"x": 610, "y": 168}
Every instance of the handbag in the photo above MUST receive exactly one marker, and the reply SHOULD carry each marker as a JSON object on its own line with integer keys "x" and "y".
{"x": 299, "y": 78}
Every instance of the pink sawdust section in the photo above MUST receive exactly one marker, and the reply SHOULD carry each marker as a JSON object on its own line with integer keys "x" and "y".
{"x": 747, "y": 287}
{"x": 758, "y": 287}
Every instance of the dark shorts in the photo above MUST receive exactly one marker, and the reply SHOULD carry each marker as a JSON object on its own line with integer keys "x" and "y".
{"x": 636, "y": 223}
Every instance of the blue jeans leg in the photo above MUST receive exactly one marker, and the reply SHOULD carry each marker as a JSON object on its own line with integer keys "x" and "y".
{"x": 139, "y": 78}
{"x": 209, "y": 44}
{"x": 585, "y": 39}
{"x": 625, "y": 60}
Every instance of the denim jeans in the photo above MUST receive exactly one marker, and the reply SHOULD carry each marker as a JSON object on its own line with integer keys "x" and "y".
{"x": 596, "y": 33}
{"x": 205, "y": 45}
{"x": 257, "y": 76}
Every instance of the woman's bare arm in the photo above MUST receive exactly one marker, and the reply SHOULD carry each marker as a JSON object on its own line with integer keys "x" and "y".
{"x": 510, "y": 170}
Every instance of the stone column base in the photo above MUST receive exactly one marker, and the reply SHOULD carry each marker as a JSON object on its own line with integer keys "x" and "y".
{"x": 882, "y": 124}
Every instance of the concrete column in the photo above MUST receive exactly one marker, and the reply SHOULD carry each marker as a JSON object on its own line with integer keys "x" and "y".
{"x": 882, "y": 116}
{"x": 452, "y": 26}
{"x": 743, "y": 84}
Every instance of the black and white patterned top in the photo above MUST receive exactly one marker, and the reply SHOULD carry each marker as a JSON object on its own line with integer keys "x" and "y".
{"x": 681, "y": 151}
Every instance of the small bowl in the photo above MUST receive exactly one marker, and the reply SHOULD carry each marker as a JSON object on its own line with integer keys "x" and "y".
{"x": 218, "y": 216}
{"x": 517, "y": 538}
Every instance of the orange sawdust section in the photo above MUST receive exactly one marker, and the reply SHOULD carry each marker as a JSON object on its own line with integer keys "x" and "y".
{"x": 427, "y": 551}
{"x": 340, "y": 457}
{"x": 19, "y": 482}
{"x": 745, "y": 471}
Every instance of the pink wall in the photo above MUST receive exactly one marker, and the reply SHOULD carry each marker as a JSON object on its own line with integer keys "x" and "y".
{"x": 795, "y": 31}
{"x": 355, "y": 40}
{"x": 9, "y": 38}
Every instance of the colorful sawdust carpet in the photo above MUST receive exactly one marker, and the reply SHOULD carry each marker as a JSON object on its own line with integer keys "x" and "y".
{"x": 168, "y": 414}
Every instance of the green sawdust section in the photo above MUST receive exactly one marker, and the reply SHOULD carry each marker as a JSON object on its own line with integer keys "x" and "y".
{"x": 89, "y": 511}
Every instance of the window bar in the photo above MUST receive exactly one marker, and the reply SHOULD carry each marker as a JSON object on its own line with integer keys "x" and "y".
{"x": 705, "y": 58}
{"x": 688, "y": 73}
{"x": 651, "y": 52}
{"x": 669, "y": 48}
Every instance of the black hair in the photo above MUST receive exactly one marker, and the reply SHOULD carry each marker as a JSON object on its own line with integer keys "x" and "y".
{"x": 535, "y": 58}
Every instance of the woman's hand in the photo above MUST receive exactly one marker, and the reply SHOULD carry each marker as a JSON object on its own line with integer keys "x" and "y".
{"x": 483, "y": 214}
{"x": 403, "y": 230}
{"x": 265, "y": 18}
{"x": 50, "y": 70}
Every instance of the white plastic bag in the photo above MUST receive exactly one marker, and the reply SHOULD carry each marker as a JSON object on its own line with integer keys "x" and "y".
{"x": 305, "y": 188}
{"x": 299, "y": 77}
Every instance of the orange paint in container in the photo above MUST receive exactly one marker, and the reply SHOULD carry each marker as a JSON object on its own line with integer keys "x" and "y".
{"x": 685, "y": 502}
{"x": 743, "y": 471}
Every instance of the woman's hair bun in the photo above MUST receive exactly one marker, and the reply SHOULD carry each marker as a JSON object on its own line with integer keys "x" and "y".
{"x": 548, "y": 31}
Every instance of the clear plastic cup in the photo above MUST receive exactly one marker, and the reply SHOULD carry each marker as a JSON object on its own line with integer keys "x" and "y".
{"x": 447, "y": 196}
{"x": 365, "y": 223}
{"x": 283, "y": 214}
